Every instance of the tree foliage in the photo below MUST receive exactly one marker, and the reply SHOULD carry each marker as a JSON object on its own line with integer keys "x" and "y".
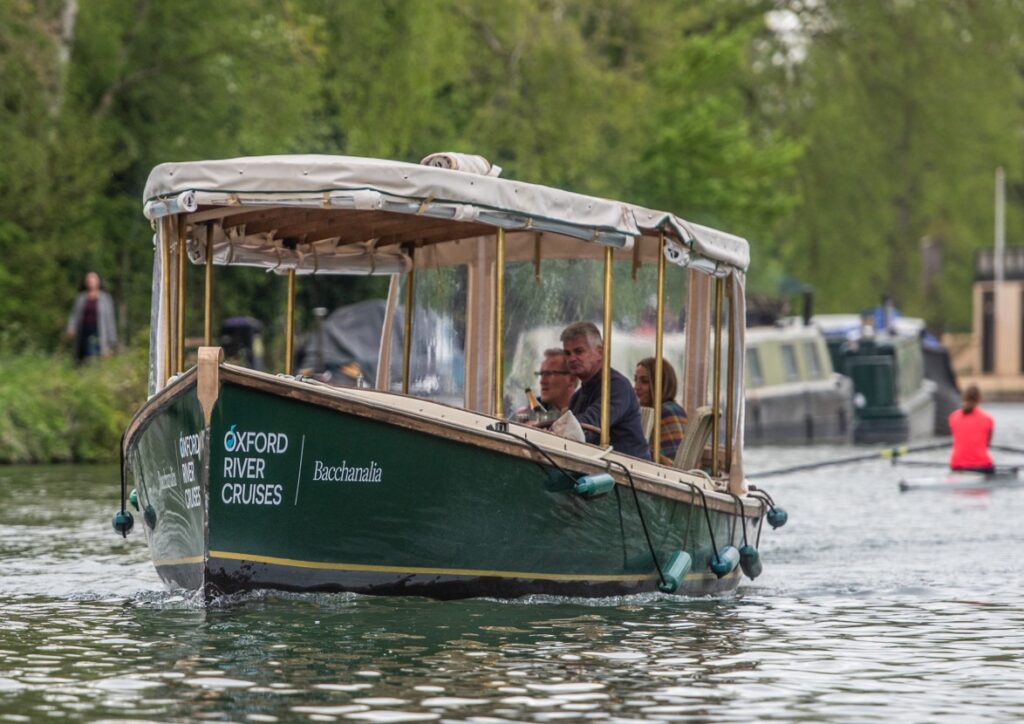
{"x": 834, "y": 143}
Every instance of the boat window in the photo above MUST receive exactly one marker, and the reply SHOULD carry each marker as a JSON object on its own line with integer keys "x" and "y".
{"x": 812, "y": 361}
{"x": 789, "y": 364}
{"x": 571, "y": 290}
{"x": 909, "y": 367}
{"x": 755, "y": 377}
{"x": 437, "y": 363}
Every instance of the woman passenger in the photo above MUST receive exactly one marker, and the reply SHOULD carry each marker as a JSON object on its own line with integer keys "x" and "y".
{"x": 673, "y": 416}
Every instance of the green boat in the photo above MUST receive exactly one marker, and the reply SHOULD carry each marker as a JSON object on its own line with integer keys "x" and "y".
{"x": 417, "y": 482}
{"x": 893, "y": 401}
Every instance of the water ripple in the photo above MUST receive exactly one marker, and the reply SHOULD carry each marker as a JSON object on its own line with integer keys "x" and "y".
{"x": 873, "y": 606}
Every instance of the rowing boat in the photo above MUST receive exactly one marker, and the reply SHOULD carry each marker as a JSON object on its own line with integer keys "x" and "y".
{"x": 416, "y": 483}
{"x": 963, "y": 480}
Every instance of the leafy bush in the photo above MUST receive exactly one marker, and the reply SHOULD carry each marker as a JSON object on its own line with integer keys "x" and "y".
{"x": 52, "y": 411}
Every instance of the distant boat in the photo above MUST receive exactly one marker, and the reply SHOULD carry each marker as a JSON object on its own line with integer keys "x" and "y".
{"x": 904, "y": 384}
{"x": 964, "y": 481}
{"x": 793, "y": 394}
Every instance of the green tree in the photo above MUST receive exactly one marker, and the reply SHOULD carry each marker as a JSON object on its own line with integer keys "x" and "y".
{"x": 907, "y": 107}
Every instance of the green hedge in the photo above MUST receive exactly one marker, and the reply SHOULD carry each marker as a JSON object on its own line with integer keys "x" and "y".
{"x": 53, "y": 412}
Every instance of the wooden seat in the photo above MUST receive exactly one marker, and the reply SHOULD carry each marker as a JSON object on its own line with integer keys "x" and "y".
{"x": 698, "y": 430}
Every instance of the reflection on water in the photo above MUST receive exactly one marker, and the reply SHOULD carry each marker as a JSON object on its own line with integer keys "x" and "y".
{"x": 873, "y": 604}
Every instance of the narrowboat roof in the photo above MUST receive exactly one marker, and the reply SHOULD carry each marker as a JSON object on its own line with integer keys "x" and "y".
{"x": 359, "y": 199}
{"x": 786, "y": 333}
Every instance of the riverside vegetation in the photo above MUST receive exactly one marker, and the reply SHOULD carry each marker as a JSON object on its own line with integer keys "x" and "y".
{"x": 841, "y": 138}
{"x": 836, "y": 136}
{"x": 52, "y": 411}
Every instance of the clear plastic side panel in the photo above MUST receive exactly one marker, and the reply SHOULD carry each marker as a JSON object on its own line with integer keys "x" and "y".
{"x": 157, "y": 328}
{"x": 540, "y": 304}
{"x": 437, "y": 363}
{"x": 737, "y": 483}
{"x": 717, "y": 361}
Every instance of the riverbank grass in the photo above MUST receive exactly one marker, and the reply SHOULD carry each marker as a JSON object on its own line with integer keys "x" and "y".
{"x": 54, "y": 412}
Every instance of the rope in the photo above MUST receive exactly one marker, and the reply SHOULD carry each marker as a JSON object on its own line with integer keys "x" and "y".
{"x": 124, "y": 492}
{"x": 743, "y": 525}
{"x": 707, "y": 515}
{"x": 640, "y": 514}
{"x": 763, "y": 495}
{"x": 502, "y": 427}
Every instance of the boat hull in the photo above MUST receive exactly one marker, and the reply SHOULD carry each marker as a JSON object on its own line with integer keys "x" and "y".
{"x": 801, "y": 413}
{"x": 302, "y": 491}
{"x": 167, "y": 463}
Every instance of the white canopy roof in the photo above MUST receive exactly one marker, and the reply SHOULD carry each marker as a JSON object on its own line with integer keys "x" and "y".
{"x": 203, "y": 189}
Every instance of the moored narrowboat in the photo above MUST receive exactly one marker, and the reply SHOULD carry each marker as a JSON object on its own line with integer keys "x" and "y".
{"x": 894, "y": 401}
{"x": 793, "y": 395}
{"x": 416, "y": 483}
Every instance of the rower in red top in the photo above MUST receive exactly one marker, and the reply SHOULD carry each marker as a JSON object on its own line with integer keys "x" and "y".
{"x": 972, "y": 433}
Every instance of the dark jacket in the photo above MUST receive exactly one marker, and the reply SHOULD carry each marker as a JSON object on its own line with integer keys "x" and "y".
{"x": 625, "y": 428}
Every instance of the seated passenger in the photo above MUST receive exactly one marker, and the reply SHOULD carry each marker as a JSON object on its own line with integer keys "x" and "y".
{"x": 972, "y": 431}
{"x": 673, "y": 416}
{"x": 584, "y": 352}
{"x": 557, "y": 383}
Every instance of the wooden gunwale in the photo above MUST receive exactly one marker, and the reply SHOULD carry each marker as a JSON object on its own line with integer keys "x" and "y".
{"x": 175, "y": 387}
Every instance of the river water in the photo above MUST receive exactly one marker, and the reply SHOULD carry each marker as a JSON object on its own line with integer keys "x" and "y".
{"x": 873, "y": 605}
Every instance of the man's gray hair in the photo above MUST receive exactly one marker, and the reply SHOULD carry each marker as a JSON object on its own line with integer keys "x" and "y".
{"x": 582, "y": 329}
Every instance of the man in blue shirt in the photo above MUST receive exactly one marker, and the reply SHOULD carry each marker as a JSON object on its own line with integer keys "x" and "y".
{"x": 584, "y": 352}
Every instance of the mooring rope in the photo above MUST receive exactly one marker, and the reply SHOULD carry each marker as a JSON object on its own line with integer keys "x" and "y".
{"x": 640, "y": 514}
{"x": 503, "y": 428}
{"x": 124, "y": 492}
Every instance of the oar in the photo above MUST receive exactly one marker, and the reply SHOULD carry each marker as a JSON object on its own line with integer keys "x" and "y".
{"x": 920, "y": 463}
{"x": 888, "y": 453}
{"x": 1007, "y": 448}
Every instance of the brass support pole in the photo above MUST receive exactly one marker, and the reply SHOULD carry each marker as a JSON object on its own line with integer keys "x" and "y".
{"x": 165, "y": 260}
{"x": 289, "y": 325}
{"x": 410, "y": 283}
{"x": 730, "y": 390}
{"x": 606, "y": 351}
{"x": 716, "y": 392}
{"x": 659, "y": 332}
{"x": 208, "y": 290}
{"x": 536, "y": 258}
{"x": 499, "y": 323}
{"x": 180, "y": 361}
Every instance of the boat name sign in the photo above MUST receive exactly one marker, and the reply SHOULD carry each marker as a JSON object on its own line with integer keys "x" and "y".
{"x": 258, "y": 442}
{"x": 189, "y": 449}
{"x": 245, "y": 462}
{"x": 249, "y": 468}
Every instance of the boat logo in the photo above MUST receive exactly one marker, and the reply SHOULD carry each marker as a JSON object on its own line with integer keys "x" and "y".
{"x": 188, "y": 445}
{"x": 236, "y": 441}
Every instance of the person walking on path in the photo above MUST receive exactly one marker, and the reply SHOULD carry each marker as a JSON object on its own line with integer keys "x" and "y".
{"x": 91, "y": 323}
{"x": 972, "y": 433}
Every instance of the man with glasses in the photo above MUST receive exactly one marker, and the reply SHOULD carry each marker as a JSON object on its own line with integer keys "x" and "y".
{"x": 557, "y": 383}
